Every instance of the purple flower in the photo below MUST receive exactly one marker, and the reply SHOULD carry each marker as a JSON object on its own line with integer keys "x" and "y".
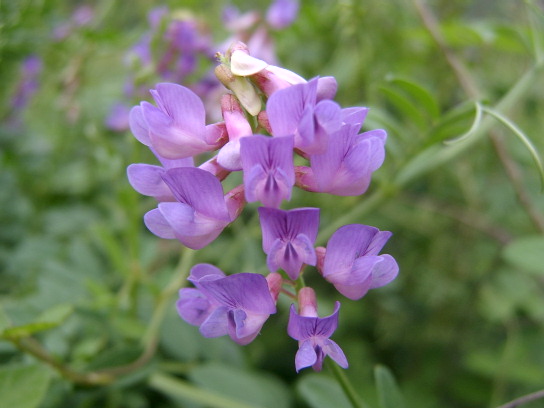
{"x": 282, "y": 13}
{"x": 346, "y": 167}
{"x": 352, "y": 263}
{"x": 269, "y": 173}
{"x": 200, "y": 212}
{"x": 237, "y": 305}
{"x": 296, "y": 111}
{"x": 147, "y": 179}
{"x": 176, "y": 127}
{"x": 288, "y": 238}
{"x": 313, "y": 332}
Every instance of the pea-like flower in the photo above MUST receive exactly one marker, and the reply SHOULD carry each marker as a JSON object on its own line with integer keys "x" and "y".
{"x": 237, "y": 305}
{"x": 313, "y": 333}
{"x": 351, "y": 261}
{"x": 297, "y": 111}
{"x": 269, "y": 173}
{"x": 288, "y": 238}
{"x": 346, "y": 167}
{"x": 200, "y": 213}
{"x": 176, "y": 127}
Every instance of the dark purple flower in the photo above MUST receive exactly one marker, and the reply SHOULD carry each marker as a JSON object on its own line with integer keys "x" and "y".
{"x": 176, "y": 127}
{"x": 288, "y": 238}
{"x": 237, "y": 305}
{"x": 269, "y": 173}
{"x": 296, "y": 111}
{"x": 352, "y": 263}
{"x": 346, "y": 167}
{"x": 282, "y": 13}
{"x": 201, "y": 211}
{"x": 313, "y": 333}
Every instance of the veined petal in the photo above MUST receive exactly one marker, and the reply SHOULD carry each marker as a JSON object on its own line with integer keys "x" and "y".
{"x": 200, "y": 190}
{"x": 138, "y": 125}
{"x": 216, "y": 324}
{"x": 354, "y": 116}
{"x": 147, "y": 179}
{"x": 384, "y": 271}
{"x": 203, "y": 272}
{"x": 183, "y": 106}
{"x": 192, "y": 306}
{"x": 244, "y": 327}
{"x": 192, "y": 229}
{"x": 305, "y": 327}
{"x": 306, "y": 355}
{"x": 157, "y": 224}
{"x": 345, "y": 245}
{"x": 287, "y": 225}
{"x": 334, "y": 351}
{"x": 285, "y": 108}
{"x": 378, "y": 242}
{"x": 246, "y": 291}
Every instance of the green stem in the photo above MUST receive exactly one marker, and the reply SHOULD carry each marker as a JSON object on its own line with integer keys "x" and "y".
{"x": 346, "y": 385}
{"x": 165, "y": 297}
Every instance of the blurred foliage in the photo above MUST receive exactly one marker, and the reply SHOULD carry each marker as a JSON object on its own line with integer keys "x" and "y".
{"x": 84, "y": 287}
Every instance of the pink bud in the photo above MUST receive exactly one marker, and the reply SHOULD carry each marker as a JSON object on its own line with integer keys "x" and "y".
{"x": 275, "y": 283}
{"x": 307, "y": 303}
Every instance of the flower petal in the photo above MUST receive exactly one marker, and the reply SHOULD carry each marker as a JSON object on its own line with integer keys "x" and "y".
{"x": 138, "y": 125}
{"x": 334, "y": 351}
{"x": 199, "y": 189}
{"x": 147, "y": 179}
{"x": 306, "y": 356}
{"x": 345, "y": 245}
{"x": 384, "y": 272}
{"x": 157, "y": 224}
{"x": 192, "y": 306}
{"x": 216, "y": 324}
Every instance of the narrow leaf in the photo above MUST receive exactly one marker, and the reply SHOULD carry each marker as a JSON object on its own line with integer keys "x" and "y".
{"x": 526, "y": 253}
{"x": 388, "y": 392}
{"x": 322, "y": 392}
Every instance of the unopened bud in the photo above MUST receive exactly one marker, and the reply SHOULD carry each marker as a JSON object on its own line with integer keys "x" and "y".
{"x": 275, "y": 283}
{"x": 307, "y": 303}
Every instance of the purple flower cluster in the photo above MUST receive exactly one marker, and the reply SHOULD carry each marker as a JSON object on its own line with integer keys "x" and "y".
{"x": 186, "y": 44}
{"x": 270, "y": 116}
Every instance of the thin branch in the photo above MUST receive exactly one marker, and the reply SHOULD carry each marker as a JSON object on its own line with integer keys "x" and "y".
{"x": 524, "y": 400}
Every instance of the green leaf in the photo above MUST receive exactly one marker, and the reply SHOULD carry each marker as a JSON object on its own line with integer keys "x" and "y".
{"x": 320, "y": 391}
{"x": 179, "y": 389}
{"x": 23, "y": 386}
{"x": 388, "y": 392}
{"x": 50, "y": 318}
{"x": 424, "y": 100}
{"x": 254, "y": 388}
{"x": 526, "y": 253}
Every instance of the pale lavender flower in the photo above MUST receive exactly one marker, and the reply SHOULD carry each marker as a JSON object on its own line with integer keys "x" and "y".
{"x": 237, "y": 305}
{"x": 352, "y": 263}
{"x": 269, "y": 174}
{"x": 288, "y": 238}
{"x": 176, "y": 128}
{"x": 282, "y": 13}
{"x": 313, "y": 333}
{"x": 200, "y": 213}
{"x": 296, "y": 111}
{"x": 346, "y": 167}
